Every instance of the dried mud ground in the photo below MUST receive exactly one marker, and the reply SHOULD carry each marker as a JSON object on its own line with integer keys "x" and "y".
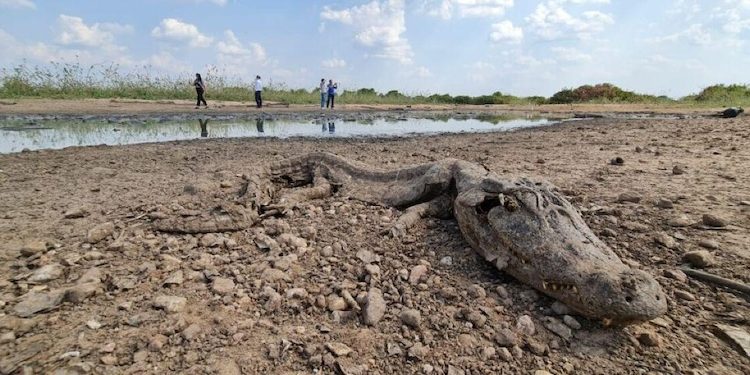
{"x": 100, "y": 291}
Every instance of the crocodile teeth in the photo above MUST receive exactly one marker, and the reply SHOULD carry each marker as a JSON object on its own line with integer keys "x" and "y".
{"x": 544, "y": 285}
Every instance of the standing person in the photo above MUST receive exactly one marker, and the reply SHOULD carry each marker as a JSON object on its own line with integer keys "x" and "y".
{"x": 331, "y": 93}
{"x": 200, "y": 88}
{"x": 258, "y": 85}
{"x": 323, "y": 93}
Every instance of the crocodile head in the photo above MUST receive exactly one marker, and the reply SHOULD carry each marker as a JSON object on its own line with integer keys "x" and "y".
{"x": 533, "y": 233}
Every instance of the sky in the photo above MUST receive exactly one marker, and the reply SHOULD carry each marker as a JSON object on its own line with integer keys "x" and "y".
{"x": 459, "y": 47}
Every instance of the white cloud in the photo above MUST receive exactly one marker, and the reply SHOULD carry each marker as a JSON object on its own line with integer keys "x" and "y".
{"x": 571, "y": 54}
{"x": 17, "y": 4}
{"x": 469, "y": 8}
{"x": 240, "y": 58}
{"x": 694, "y": 34}
{"x": 333, "y": 63}
{"x": 423, "y": 72}
{"x": 176, "y": 30}
{"x": 73, "y": 31}
{"x": 551, "y": 21}
{"x": 505, "y": 32}
{"x": 379, "y": 25}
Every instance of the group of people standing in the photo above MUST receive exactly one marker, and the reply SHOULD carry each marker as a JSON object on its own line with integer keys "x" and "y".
{"x": 327, "y": 92}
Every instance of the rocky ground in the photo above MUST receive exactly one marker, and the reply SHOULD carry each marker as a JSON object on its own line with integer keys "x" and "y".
{"x": 88, "y": 286}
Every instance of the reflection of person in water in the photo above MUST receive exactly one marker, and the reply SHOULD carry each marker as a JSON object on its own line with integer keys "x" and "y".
{"x": 323, "y": 125}
{"x": 204, "y": 127}
{"x": 259, "y": 124}
{"x": 331, "y": 127}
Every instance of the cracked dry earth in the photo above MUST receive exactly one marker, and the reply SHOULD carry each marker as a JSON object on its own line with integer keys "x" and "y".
{"x": 88, "y": 286}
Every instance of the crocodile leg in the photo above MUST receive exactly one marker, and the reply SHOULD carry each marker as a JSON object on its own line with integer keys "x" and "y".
{"x": 438, "y": 207}
{"x": 321, "y": 189}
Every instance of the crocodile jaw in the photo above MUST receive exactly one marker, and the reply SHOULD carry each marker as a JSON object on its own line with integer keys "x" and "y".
{"x": 534, "y": 234}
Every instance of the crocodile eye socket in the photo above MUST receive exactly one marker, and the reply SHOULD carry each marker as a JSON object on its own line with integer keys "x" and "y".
{"x": 488, "y": 204}
{"x": 628, "y": 299}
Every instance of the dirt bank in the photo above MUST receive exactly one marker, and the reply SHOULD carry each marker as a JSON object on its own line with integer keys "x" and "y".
{"x": 247, "y": 309}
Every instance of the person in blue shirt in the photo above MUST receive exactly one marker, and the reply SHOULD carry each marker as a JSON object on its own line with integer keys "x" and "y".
{"x": 331, "y": 93}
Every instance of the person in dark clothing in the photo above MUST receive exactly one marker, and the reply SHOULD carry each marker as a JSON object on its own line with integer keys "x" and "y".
{"x": 200, "y": 88}
{"x": 204, "y": 127}
{"x": 331, "y": 93}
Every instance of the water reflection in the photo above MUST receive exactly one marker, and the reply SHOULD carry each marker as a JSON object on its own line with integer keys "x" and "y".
{"x": 16, "y": 135}
{"x": 204, "y": 127}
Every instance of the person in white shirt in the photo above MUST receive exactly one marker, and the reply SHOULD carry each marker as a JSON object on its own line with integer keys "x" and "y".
{"x": 258, "y": 85}
{"x": 323, "y": 93}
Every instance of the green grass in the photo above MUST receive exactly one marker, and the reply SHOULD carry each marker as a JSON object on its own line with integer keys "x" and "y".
{"x": 75, "y": 81}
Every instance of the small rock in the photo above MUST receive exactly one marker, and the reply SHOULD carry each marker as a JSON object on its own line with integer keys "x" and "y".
{"x": 170, "y": 304}
{"x": 46, "y": 273}
{"x": 708, "y": 244}
{"x": 487, "y": 353}
{"x": 504, "y": 354}
{"x": 418, "y": 351}
{"x": 628, "y": 197}
{"x": 76, "y": 213}
{"x": 676, "y": 275}
{"x": 33, "y": 247}
{"x": 93, "y": 324}
{"x": 34, "y": 302}
{"x": 537, "y": 347}
{"x": 100, "y": 232}
{"x": 649, "y": 338}
{"x": 336, "y": 303}
{"x": 191, "y": 332}
{"x": 664, "y": 204}
{"x": 714, "y": 221}
{"x": 679, "y": 222}
{"x": 296, "y": 293}
{"x": 108, "y": 359}
{"x": 272, "y": 275}
{"x": 367, "y": 256}
{"x": 338, "y": 349}
{"x": 157, "y": 342}
{"x": 525, "y": 325}
{"x": 683, "y": 295}
{"x": 7, "y": 338}
{"x": 617, "y": 161}
{"x": 417, "y": 273}
{"x": 678, "y": 170}
{"x": 411, "y": 318}
{"x": 665, "y": 240}
{"x": 176, "y": 278}
{"x": 222, "y": 286}
{"x": 699, "y": 258}
{"x": 560, "y": 308}
{"x": 571, "y": 322}
{"x": 446, "y": 261}
{"x": 374, "y": 307}
{"x": 506, "y": 338}
{"x": 477, "y": 292}
{"x": 558, "y": 327}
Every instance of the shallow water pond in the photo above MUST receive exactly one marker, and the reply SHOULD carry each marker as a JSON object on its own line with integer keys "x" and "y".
{"x": 18, "y": 135}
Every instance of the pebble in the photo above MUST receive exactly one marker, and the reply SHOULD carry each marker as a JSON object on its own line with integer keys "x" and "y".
{"x": 506, "y": 338}
{"x": 560, "y": 308}
{"x": 571, "y": 322}
{"x": 487, "y": 353}
{"x": 170, "y": 304}
{"x": 272, "y": 275}
{"x": 33, "y": 247}
{"x": 678, "y": 170}
{"x": 649, "y": 338}
{"x": 411, "y": 318}
{"x": 7, "y": 337}
{"x": 628, "y": 197}
{"x": 336, "y": 303}
{"x": 714, "y": 221}
{"x": 504, "y": 354}
{"x": 708, "y": 244}
{"x": 100, "y": 232}
{"x": 191, "y": 332}
{"x": 676, "y": 275}
{"x": 93, "y": 324}
{"x": 525, "y": 325}
{"x": 664, "y": 203}
{"x": 617, "y": 161}
{"x": 558, "y": 327}
{"x": 537, "y": 347}
{"x": 665, "y": 240}
{"x": 176, "y": 278}
{"x": 683, "y": 295}
{"x": 108, "y": 359}
{"x": 679, "y": 222}
{"x": 417, "y": 351}
{"x": 46, "y": 273}
{"x": 338, "y": 349}
{"x": 699, "y": 258}
{"x": 222, "y": 285}
{"x": 477, "y": 292}
{"x": 367, "y": 256}
{"x": 34, "y": 302}
{"x": 417, "y": 273}
{"x": 446, "y": 261}
{"x": 374, "y": 307}
{"x": 76, "y": 213}
{"x": 157, "y": 342}
{"x": 296, "y": 293}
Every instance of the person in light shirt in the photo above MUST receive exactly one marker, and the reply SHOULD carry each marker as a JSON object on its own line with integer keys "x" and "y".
{"x": 258, "y": 86}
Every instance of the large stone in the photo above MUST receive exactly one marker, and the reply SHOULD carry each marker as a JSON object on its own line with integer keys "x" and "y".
{"x": 714, "y": 221}
{"x": 100, "y": 232}
{"x": 374, "y": 307}
{"x": 33, "y": 247}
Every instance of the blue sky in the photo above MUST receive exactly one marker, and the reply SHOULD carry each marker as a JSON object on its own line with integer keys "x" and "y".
{"x": 533, "y": 47}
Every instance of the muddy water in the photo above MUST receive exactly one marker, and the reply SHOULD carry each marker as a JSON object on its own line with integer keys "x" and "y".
{"x": 18, "y": 135}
